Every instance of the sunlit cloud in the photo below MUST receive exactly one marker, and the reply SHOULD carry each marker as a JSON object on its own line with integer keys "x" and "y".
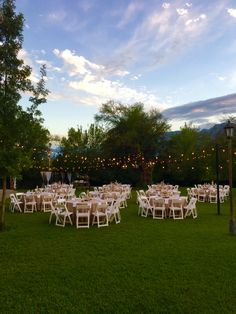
{"x": 25, "y": 56}
{"x": 49, "y": 65}
{"x": 232, "y": 12}
{"x": 96, "y": 83}
{"x": 135, "y": 77}
{"x": 182, "y": 11}
{"x": 30, "y": 59}
{"x": 222, "y": 78}
{"x": 41, "y": 62}
{"x": 195, "y": 20}
{"x": 165, "y": 5}
{"x": 77, "y": 64}
{"x": 107, "y": 89}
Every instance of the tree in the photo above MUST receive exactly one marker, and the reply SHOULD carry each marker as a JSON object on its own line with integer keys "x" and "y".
{"x": 184, "y": 155}
{"x": 83, "y": 140}
{"x": 133, "y": 132}
{"x": 80, "y": 145}
{"x": 20, "y": 132}
{"x": 40, "y": 92}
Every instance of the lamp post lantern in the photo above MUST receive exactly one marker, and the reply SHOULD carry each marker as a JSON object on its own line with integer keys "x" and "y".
{"x": 229, "y": 131}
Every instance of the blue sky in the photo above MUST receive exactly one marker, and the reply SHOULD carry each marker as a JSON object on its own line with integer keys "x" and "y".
{"x": 176, "y": 56}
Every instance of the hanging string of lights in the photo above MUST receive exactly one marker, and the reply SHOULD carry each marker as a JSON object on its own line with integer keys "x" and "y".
{"x": 78, "y": 162}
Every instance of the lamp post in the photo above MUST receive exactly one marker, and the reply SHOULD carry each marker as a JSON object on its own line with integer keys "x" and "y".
{"x": 229, "y": 131}
{"x": 217, "y": 178}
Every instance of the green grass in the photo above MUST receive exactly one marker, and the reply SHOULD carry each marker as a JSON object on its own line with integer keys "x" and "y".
{"x": 139, "y": 266}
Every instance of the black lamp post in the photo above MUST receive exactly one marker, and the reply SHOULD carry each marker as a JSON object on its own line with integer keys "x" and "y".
{"x": 229, "y": 131}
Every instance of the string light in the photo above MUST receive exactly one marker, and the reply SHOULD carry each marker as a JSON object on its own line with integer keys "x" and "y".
{"x": 79, "y": 162}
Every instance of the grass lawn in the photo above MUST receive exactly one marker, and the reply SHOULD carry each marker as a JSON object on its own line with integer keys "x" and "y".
{"x": 138, "y": 266}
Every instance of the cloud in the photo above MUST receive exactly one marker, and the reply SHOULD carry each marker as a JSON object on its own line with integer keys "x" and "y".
{"x": 196, "y": 20}
{"x": 25, "y": 56}
{"x": 206, "y": 110}
{"x": 77, "y": 65}
{"x": 115, "y": 90}
{"x": 229, "y": 78}
{"x": 182, "y": 11}
{"x": 49, "y": 65}
{"x": 91, "y": 83}
{"x": 130, "y": 13}
{"x": 188, "y": 4}
{"x": 30, "y": 58}
{"x": 135, "y": 77}
{"x": 162, "y": 35}
{"x": 56, "y": 16}
{"x": 222, "y": 78}
{"x": 165, "y": 5}
{"x": 232, "y": 12}
{"x": 41, "y": 62}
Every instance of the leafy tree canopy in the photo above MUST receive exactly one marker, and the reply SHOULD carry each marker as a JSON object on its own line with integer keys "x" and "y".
{"x": 131, "y": 129}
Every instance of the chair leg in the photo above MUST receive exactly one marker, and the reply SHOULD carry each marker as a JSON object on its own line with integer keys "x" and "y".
{"x": 117, "y": 218}
{"x": 105, "y": 224}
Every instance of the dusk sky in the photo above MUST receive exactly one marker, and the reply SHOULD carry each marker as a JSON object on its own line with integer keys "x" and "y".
{"x": 176, "y": 56}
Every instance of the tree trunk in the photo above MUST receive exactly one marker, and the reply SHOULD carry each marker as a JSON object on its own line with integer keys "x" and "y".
{"x": 146, "y": 175}
{"x": 2, "y": 204}
{"x": 12, "y": 183}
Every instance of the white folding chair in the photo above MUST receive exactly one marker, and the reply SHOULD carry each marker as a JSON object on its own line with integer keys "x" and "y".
{"x": 213, "y": 197}
{"x": 176, "y": 209}
{"x": 63, "y": 215}
{"x": 113, "y": 210}
{"x": 201, "y": 196}
{"x": 20, "y": 196}
{"x": 82, "y": 216}
{"x": 53, "y": 212}
{"x": 15, "y": 204}
{"x": 144, "y": 206}
{"x": 158, "y": 208}
{"x": 29, "y": 203}
{"x": 190, "y": 208}
{"x": 47, "y": 203}
{"x": 100, "y": 216}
